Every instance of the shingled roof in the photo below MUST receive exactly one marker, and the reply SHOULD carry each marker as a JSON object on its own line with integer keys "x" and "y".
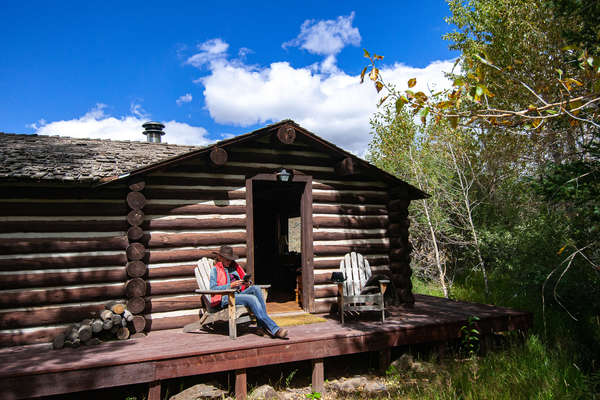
{"x": 60, "y": 158}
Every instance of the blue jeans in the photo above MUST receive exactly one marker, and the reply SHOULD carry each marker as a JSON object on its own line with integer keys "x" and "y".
{"x": 253, "y": 299}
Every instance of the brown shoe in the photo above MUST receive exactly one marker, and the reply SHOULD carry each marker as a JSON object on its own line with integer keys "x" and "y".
{"x": 281, "y": 333}
{"x": 260, "y": 332}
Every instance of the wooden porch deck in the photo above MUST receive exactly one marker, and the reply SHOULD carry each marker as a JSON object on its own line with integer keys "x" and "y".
{"x": 29, "y": 371}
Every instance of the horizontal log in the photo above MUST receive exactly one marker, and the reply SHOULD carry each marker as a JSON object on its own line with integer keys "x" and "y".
{"x": 192, "y": 223}
{"x": 41, "y": 192}
{"x": 195, "y": 181}
{"x": 192, "y": 209}
{"x": 347, "y": 166}
{"x": 164, "y": 304}
{"x": 398, "y": 216}
{"x": 62, "y": 262}
{"x": 178, "y": 286}
{"x": 327, "y": 306}
{"x": 343, "y": 249}
{"x": 321, "y": 292}
{"x": 350, "y": 222}
{"x": 192, "y": 194}
{"x": 42, "y": 245}
{"x": 37, "y": 336}
{"x": 48, "y": 316}
{"x": 347, "y": 235}
{"x": 348, "y": 210}
{"x": 23, "y": 279}
{"x": 283, "y": 159}
{"x": 64, "y": 226}
{"x": 63, "y": 209}
{"x": 176, "y": 271}
{"x": 341, "y": 185}
{"x": 357, "y": 198}
{"x": 161, "y": 240}
{"x": 398, "y": 204}
{"x": 335, "y": 263}
{"x": 60, "y": 295}
{"x": 167, "y": 256}
{"x": 158, "y": 324}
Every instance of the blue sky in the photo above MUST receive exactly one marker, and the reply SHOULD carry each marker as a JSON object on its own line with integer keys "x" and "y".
{"x": 209, "y": 70}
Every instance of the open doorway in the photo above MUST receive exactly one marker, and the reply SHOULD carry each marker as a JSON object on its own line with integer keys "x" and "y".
{"x": 277, "y": 233}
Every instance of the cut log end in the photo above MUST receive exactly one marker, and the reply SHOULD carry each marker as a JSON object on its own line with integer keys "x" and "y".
{"x": 135, "y": 251}
{"x": 135, "y": 287}
{"x": 136, "y": 200}
{"x": 136, "y": 305}
{"x": 136, "y": 269}
{"x": 135, "y": 217}
{"x": 135, "y": 233}
{"x": 138, "y": 323}
{"x": 218, "y": 156}
{"x": 122, "y": 333}
{"x": 286, "y": 134}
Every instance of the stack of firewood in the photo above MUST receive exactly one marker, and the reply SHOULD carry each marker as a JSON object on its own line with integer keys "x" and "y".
{"x": 115, "y": 322}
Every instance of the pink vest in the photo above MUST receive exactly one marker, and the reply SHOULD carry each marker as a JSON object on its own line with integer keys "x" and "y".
{"x": 215, "y": 300}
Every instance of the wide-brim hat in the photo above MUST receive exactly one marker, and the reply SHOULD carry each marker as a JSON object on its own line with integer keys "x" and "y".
{"x": 226, "y": 252}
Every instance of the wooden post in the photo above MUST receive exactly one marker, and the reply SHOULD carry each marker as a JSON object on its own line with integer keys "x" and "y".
{"x": 318, "y": 375}
{"x": 241, "y": 389}
{"x": 232, "y": 321}
{"x": 154, "y": 391}
{"x": 385, "y": 357}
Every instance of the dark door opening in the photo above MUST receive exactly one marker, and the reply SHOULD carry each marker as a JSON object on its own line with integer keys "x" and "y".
{"x": 278, "y": 238}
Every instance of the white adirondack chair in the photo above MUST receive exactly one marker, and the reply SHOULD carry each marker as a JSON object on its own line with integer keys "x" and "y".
{"x": 234, "y": 314}
{"x": 357, "y": 272}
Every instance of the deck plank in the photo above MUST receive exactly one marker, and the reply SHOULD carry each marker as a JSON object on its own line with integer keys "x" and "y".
{"x": 173, "y": 353}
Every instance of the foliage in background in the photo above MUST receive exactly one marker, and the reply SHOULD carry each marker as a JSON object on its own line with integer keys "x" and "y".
{"x": 511, "y": 158}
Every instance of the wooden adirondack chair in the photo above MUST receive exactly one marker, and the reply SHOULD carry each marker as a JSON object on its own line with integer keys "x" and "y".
{"x": 234, "y": 314}
{"x": 357, "y": 272}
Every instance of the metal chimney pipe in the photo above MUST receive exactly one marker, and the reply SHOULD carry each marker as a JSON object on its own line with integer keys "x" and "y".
{"x": 153, "y": 131}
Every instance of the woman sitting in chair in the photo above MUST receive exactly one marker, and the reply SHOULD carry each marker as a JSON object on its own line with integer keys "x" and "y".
{"x": 227, "y": 274}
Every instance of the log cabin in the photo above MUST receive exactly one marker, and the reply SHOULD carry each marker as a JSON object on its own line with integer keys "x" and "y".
{"x": 86, "y": 221}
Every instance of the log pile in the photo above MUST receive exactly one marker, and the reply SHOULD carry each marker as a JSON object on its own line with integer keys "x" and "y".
{"x": 114, "y": 322}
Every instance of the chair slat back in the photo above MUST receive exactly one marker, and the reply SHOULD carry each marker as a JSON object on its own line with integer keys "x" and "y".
{"x": 357, "y": 271}
{"x": 202, "y": 272}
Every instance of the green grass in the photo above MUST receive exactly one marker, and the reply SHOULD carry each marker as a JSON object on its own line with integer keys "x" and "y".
{"x": 559, "y": 362}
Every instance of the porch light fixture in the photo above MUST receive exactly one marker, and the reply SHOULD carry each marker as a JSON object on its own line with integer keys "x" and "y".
{"x": 283, "y": 176}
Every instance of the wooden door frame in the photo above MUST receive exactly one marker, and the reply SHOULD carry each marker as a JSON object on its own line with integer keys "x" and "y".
{"x": 308, "y": 287}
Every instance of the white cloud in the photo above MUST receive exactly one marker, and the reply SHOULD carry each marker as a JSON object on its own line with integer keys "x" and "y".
{"x": 99, "y": 125}
{"x": 334, "y": 105}
{"x": 186, "y": 98}
{"x": 210, "y": 51}
{"x": 326, "y": 37}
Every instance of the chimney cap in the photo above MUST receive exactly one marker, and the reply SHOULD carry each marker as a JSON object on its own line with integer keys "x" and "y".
{"x": 153, "y": 131}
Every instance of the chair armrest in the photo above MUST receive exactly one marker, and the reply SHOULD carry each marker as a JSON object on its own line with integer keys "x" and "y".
{"x": 263, "y": 286}
{"x": 340, "y": 286}
{"x": 224, "y": 291}
{"x": 383, "y": 283}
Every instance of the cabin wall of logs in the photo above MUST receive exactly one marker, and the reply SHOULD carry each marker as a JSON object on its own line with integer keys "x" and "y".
{"x": 65, "y": 252}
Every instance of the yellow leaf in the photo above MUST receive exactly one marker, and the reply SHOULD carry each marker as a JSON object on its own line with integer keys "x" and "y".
{"x": 561, "y": 250}
{"x": 374, "y": 74}
{"x": 378, "y": 86}
{"x": 367, "y": 55}
{"x": 362, "y": 75}
{"x": 412, "y": 82}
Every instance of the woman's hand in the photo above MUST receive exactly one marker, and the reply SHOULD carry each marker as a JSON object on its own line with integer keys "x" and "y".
{"x": 236, "y": 284}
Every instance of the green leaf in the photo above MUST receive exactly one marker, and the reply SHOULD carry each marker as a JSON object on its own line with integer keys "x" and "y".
{"x": 412, "y": 82}
{"x": 400, "y": 102}
{"x": 367, "y": 55}
{"x": 479, "y": 91}
{"x": 453, "y": 122}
